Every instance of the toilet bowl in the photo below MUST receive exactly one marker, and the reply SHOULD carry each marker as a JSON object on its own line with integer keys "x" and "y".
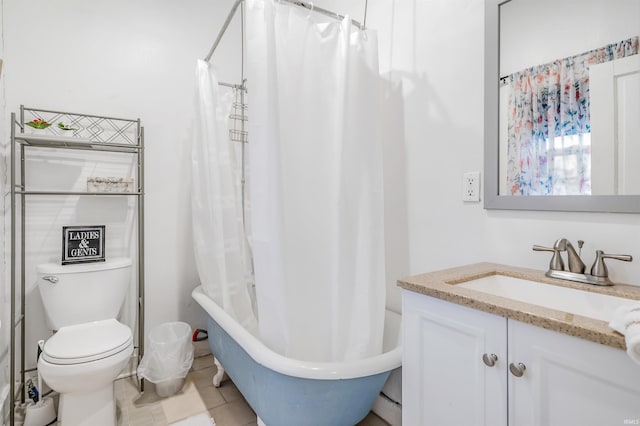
{"x": 90, "y": 348}
{"x": 81, "y": 362}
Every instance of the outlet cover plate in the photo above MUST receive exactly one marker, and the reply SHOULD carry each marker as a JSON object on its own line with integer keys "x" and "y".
{"x": 471, "y": 187}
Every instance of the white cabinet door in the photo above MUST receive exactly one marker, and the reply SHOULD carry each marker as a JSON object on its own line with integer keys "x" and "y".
{"x": 569, "y": 381}
{"x": 445, "y": 381}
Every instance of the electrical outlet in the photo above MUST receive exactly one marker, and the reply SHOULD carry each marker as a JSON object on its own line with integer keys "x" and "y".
{"x": 471, "y": 186}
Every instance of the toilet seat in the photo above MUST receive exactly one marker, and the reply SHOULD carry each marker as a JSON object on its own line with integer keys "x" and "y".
{"x": 81, "y": 343}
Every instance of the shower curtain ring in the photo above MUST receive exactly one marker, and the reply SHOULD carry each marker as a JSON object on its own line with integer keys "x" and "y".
{"x": 311, "y": 8}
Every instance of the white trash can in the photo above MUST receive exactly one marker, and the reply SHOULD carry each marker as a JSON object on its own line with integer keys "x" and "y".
{"x": 168, "y": 358}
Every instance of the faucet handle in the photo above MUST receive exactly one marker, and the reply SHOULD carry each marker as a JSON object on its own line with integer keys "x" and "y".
{"x": 556, "y": 263}
{"x": 599, "y": 268}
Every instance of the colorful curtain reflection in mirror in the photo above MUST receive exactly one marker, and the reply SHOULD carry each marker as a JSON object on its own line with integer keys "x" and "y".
{"x": 549, "y": 143}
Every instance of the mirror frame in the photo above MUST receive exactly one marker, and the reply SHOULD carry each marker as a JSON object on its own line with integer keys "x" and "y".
{"x": 492, "y": 199}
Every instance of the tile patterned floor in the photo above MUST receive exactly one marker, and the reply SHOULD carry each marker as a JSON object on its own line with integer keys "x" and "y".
{"x": 198, "y": 396}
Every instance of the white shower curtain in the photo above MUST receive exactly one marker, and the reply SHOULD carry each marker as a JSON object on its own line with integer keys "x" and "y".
{"x": 316, "y": 183}
{"x": 221, "y": 252}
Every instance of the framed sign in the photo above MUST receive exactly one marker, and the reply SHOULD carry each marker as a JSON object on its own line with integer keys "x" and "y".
{"x": 82, "y": 244}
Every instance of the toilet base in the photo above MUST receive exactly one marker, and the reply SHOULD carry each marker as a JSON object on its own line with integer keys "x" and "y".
{"x": 97, "y": 408}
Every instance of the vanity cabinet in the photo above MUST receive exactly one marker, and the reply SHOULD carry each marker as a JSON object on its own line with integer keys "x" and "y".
{"x": 461, "y": 367}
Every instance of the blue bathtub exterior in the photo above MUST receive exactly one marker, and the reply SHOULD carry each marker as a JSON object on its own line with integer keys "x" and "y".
{"x": 282, "y": 400}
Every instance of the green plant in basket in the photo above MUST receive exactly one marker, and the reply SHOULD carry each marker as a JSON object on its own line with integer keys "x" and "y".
{"x": 38, "y": 123}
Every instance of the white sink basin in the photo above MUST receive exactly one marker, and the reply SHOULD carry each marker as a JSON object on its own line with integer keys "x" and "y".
{"x": 574, "y": 301}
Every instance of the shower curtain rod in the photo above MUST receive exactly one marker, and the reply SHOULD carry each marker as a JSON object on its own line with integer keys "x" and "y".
{"x": 306, "y": 5}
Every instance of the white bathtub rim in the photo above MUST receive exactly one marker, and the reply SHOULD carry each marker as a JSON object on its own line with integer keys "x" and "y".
{"x": 266, "y": 357}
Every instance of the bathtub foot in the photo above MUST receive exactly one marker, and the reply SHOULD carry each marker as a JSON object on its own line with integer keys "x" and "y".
{"x": 260, "y": 422}
{"x": 217, "y": 379}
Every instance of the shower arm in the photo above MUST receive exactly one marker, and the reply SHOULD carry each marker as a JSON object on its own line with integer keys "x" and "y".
{"x": 308, "y": 6}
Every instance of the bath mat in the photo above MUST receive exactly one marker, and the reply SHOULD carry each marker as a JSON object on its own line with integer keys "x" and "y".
{"x": 202, "y": 419}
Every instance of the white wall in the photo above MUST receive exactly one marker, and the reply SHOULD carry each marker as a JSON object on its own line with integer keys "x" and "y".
{"x": 127, "y": 59}
{"x": 137, "y": 59}
{"x": 436, "y": 52}
{"x": 534, "y": 32}
{"x": 4, "y": 290}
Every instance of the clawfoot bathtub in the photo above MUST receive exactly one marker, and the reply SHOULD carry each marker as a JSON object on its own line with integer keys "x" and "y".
{"x": 284, "y": 391}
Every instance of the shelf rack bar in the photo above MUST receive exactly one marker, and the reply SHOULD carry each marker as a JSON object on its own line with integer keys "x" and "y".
{"x": 77, "y": 113}
{"x": 12, "y": 361}
{"x": 76, "y": 193}
{"x": 19, "y": 320}
{"x": 141, "y": 285}
{"x": 23, "y": 268}
{"x": 111, "y": 147}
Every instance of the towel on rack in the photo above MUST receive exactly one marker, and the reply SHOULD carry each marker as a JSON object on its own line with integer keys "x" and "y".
{"x": 626, "y": 321}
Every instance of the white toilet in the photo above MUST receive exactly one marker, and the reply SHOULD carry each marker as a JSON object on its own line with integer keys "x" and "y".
{"x": 90, "y": 347}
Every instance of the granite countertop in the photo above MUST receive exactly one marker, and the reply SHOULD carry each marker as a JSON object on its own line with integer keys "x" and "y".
{"x": 442, "y": 285}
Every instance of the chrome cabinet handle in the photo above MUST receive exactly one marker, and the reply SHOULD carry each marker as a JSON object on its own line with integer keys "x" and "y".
{"x": 51, "y": 278}
{"x": 489, "y": 360}
{"x": 517, "y": 370}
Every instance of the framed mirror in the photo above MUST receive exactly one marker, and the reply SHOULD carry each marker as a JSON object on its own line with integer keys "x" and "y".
{"x": 562, "y": 105}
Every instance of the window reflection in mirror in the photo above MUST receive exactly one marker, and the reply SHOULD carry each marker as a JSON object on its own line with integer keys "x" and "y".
{"x": 569, "y": 97}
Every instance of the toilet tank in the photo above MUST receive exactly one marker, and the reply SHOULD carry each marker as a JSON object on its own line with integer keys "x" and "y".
{"x": 84, "y": 292}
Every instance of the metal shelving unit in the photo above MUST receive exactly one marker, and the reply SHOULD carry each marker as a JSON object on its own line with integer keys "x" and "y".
{"x": 93, "y": 133}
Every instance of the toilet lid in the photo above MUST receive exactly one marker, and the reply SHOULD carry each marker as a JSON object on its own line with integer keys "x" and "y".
{"x": 86, "y": 342}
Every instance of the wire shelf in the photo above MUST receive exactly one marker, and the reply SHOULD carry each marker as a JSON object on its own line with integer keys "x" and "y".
{"x": 86, "y": 128}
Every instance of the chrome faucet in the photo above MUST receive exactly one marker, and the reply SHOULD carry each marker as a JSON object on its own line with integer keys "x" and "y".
{"x": 599, "y": 274}
{"x": 575, "y": 263}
